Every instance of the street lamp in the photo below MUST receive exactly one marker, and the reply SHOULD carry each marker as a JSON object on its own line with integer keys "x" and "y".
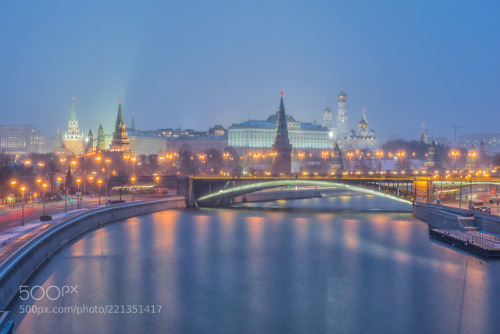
{"x": 13, "y": 183}
{"x": 126, "y": 157}
{"x": 132, "y": 179}
{"x": 39, "y": 181}
{"x": 157, "y": 178}
{"x": 350, "y": 154}
{"x": 99, "y": 185}
{"x": 108, "y": 161}
{"x": 401, "y": 155}
{"x": 225, "y": 155}
{"x": 472, "y": 155}
{"x": 44, "y": 196}
{"x": 379, "y": 154}
{"x": 78, "y": 180}
{"x": 455, "y": 154}
{"x": 133, "y": 159}
{"x": 23, "y": 188}
{"x": 324, "y": 154}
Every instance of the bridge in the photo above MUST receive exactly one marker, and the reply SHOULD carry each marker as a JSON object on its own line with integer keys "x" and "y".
{"x": 208, "y": 190}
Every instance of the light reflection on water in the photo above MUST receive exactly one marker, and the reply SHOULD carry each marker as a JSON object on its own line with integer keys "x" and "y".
{"x": 254, "y": 271}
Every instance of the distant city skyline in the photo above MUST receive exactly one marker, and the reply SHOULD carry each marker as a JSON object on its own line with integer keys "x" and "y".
{"x": 200, "y": 64}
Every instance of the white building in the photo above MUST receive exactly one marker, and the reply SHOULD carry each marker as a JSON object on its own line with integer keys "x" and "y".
{"x": 363, "y": 140}
{"x": 260, "y": 134}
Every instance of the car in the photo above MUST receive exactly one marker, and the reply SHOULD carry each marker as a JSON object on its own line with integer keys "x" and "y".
{"x": 485, "y": 209}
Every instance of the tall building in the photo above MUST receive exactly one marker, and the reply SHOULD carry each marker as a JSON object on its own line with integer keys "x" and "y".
{"x": 120, "y": 136}
{"x": 20, "y": 140}
{"x": 73, "y": 139}
{"x": 282, "y": 160}
{"x": 342, "y": 120}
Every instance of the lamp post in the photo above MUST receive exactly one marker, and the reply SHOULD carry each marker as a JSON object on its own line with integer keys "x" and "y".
{"x": 91, "y": 178}
{"x": 39, "y": 181}
{"x": 13, "y": 183}
{"x": 108, "y": 161}
{"x": 132, "y": 179}
{"x": 99, "y": 185}
{"x": 44, "y": 196}
{"x": 225, "y": 155}
{"x": 126, "y": 157}
{"x": 78, "y": 180}
{"x": 350, "y": 154}
{"x": 379, "y": 155}
{"x": 133, "y": 159}
{"x": 324, "y": 154}
{"x": 157, "y": 178}
{"x": 455, "y": 154}
{"x": 23, "y": 188}
{"x": 401, "y": 155}
{"x": 472, "y": 156}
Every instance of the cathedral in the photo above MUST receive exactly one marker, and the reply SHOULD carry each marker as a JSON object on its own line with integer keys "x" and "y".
{"x": 362, "y": 139}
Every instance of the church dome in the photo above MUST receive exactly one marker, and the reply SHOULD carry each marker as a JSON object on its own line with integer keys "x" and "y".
{"x": 327, "y": 111}
{"x": 363, "y": 124}
{"x": 342, "y": 95}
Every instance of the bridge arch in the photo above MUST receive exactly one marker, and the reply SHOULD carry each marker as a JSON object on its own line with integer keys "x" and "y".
{"x": 224, "y": 197}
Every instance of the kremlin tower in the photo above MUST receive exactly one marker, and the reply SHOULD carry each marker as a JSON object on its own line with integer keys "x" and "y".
{"x": 73, "y": 139}
{"x": 120, "y": 136}
{"x": 282, "y": 162}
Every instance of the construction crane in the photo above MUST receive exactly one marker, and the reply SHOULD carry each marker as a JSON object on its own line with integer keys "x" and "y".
{"x": 455, "y": 127}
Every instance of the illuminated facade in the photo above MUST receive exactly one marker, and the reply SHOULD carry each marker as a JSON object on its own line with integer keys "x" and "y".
{"x": 74, "y": 142}
{"x": 363, "y": 140}
{"x": 261, "y": 134}
{"x": 20, "y": 140}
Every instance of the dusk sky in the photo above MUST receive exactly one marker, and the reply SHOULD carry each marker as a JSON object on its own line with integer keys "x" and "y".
{"x": 200, "y": 63}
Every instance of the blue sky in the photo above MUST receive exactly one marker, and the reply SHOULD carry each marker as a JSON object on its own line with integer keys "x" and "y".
{"x": 199, "y": 63}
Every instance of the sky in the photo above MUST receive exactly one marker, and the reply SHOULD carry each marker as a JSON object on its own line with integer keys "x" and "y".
{"x": 194, "y": 64}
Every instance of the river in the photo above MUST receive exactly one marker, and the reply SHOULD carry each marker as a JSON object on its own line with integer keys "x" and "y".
{"x": 279, "y": 267}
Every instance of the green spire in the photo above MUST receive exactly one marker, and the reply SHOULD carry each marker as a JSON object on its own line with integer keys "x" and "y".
{"x": 100, "y": 127}
{"x": 133, "y": 122}
{"x": 119, "y": 118}
{"x": 73, "y": 112}
{"x": 281, "y": 128}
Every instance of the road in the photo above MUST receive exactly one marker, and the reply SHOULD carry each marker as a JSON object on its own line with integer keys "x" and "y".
{"x": 11, "y": 215}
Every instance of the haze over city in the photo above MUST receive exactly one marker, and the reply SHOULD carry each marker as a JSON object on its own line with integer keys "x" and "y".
{"x": 196, "y": 64}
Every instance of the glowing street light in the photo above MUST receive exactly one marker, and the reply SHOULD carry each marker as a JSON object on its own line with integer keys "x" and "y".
{"x": 132, "y": 179}
{"x": 455, "y": 154}
{"x": 99, "y": 183}
{"x": 350, "y": 154}
{"x": 44, "y": 196}
{"x": 157, "y": 179}
{"x": 379, "y": 155}
{"x": 23, "y": 188}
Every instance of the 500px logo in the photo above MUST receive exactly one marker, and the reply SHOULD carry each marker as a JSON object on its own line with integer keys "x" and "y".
{"x": 52, "y": 292}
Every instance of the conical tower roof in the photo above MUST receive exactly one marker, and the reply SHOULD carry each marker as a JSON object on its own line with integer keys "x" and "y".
{"x": 119, "y": 117}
